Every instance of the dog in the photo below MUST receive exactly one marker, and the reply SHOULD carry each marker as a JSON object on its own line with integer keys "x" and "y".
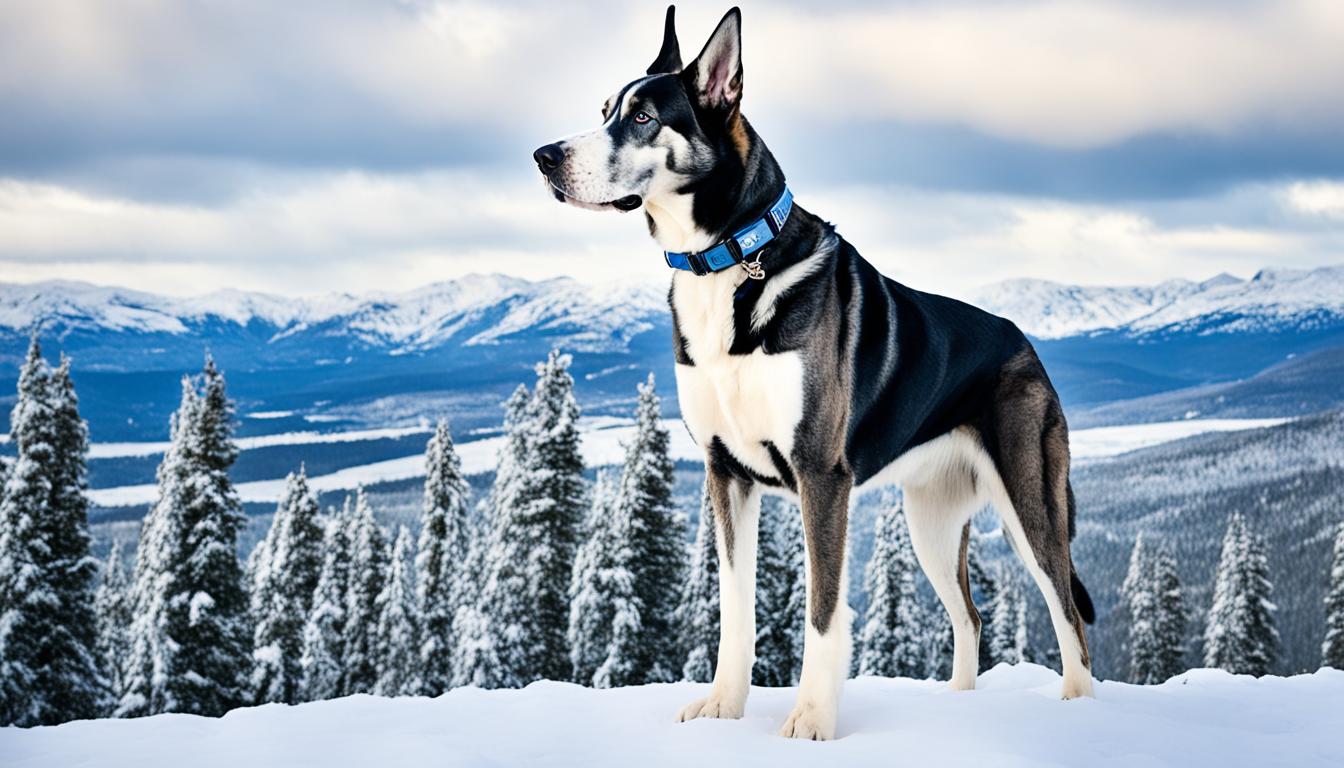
{"x": 803, "y": 371}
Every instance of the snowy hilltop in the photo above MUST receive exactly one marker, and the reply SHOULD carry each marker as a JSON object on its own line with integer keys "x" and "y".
{"x": 471, "y": 310}
{"x": 1202, "y": 717}
{"x": 1050, "y": 310}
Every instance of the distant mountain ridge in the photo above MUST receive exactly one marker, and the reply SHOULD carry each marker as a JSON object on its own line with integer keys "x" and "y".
{"x": 599, "y": 316}
{"x": 1222, "y": 304}
{"x": 459, "y": 347}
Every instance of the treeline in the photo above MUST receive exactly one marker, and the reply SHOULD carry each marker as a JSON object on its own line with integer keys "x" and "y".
{"x": 548, "y": 577}
{"x": 1239, "y": 633}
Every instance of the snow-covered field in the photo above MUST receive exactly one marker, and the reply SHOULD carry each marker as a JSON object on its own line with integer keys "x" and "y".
{"x": 1101, "y": 442}
{"x": 602, "y": 445}
{"x": 1204, "y": 717}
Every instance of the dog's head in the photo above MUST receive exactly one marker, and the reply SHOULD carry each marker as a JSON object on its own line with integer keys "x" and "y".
{"x": 662, "y": 135}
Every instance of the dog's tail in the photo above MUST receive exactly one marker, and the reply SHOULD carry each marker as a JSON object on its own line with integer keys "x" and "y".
{"x": 1081, "y": 600}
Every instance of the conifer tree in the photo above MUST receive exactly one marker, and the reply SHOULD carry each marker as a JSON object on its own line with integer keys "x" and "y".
{"x": 1332, "y": 649}
{"x": 1008, "y": 625}
{"x": 112, "y": 607}
{"x": 656, "y": 541}
{"x": 323, "y": 658}
{"x": 1137, "y": 590}
{"x": 625, "y": 658}
{"x": 48, "y": 662}
{"x": 282, "y": 593}
{"x": 191, "y": 635}
{"x": 698, "y": 616}
{"x": 1165, "y": 660}
{"x": 894, "y": 633}
{"x": 441, "y": 555}
{"x": 473, "y": 655}
{"x": 985, "y": 593}
{"x": 595, "y": 583}
{"x": 151, "y": 663}
{"x": 369, "y": 558}
{"x": 540, "y": 500}
{"x": 476, "y": 661}
{"x": 1240, "y": 636}
{"x": 779, "y": 622}
{"x": 398, "y": 626}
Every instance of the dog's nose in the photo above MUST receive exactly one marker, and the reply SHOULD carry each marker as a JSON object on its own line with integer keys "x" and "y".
{"x": 548, "y": 157}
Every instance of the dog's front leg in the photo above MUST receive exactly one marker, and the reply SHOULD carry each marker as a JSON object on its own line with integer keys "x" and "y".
{"x": 737, "y": 508}
{"x": 826, "y": 643}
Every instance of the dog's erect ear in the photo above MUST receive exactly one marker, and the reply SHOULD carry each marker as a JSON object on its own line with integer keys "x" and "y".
{"x": 669, "y": 58}
{"x": 715, "y": 77}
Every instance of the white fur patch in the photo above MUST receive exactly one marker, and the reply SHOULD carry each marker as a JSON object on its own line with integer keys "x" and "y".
{"x": 778, "y": 284}
{"x": 744, "y": 400}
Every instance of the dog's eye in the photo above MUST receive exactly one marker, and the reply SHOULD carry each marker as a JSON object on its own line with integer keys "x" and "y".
{"x": 642, "y": 117}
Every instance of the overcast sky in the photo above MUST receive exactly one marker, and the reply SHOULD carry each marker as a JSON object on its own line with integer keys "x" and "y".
{"x": 334, "y": 145}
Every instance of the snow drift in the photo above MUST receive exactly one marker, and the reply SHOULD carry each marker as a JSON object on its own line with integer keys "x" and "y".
{"x": 1204, "y": 717}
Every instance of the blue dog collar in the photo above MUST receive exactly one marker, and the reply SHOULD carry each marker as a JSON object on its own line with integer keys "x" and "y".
{"x": 737, "y": 249}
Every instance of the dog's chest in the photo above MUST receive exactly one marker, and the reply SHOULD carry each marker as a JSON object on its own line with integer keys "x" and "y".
{"x": 746, "y": 401}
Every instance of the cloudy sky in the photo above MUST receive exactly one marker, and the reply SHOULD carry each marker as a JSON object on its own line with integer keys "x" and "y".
{"x": 335, "y": 145}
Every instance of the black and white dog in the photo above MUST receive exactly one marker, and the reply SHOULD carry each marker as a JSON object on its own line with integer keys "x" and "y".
{"x": 803, "y": 371}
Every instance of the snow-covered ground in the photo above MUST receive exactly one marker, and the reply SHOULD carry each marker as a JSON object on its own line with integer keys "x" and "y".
{"x": 602, "y": 444}
{"x": 1101, "y": 442}
{"x": 1201, "y": 718}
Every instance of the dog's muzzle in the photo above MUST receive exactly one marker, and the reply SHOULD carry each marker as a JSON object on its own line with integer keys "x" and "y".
{"x": 550, "y": 157}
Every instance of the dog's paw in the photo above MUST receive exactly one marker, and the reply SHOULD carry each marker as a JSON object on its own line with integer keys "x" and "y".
{"x": 810, "y": 721}
{"x": 1077, "y": 688}
{"x": 718, "y": 706}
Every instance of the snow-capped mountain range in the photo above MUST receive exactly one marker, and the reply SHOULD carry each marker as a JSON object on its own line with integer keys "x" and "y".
{"x": 598, "y": 316}
{"x": 464, "y": 344}
{"x": 1050, "y": 310}
{"x": 602, "y": 315}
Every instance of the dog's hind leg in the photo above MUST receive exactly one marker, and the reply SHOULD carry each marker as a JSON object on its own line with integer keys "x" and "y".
{"x": 939, "y": 515}
{"x": 737, "y": 510}
{"x": 1030, "y": 440}
{"x": 826, "y": 639}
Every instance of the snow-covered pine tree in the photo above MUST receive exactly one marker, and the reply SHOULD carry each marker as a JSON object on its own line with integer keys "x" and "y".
{"x": 1332, "y": 649}
{"x": 151, "y": 663}
{"x": 1008, "y": 634}
{"x": 698, "y": 616}
{"x": 212, "y": 631}
{"x": 624, "y": 662}
{"x": 939, "y": 642}
{"x": 323, "y": 658}
{"x": 475, "y": 660}
{"x": 657, "y": 540}
{"x": 190, "y": 633}
{"x": 369, "y": 558}
{"x": 591, "y": 598}
{"x": 440, "y": 556}
{"x": 473, "y": 655}
{"x": 1167, "y": 657}
{"x": 894, "y": 632}
{"x": 1240, "y": 636}
{"x": 1138, "y": 592}
{"x": 985, "y": 592}
{"x": 282, "y": 593}
{"x": 398, "y": 626}
{"x": 779, "y": 622}
{"x": 534, "y": 535}
{"x": 48, "y": 662}
{"x": 112, "y": 607}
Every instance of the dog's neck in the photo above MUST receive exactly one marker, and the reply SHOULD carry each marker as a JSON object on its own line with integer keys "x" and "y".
{"x": 742, "y": 194}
